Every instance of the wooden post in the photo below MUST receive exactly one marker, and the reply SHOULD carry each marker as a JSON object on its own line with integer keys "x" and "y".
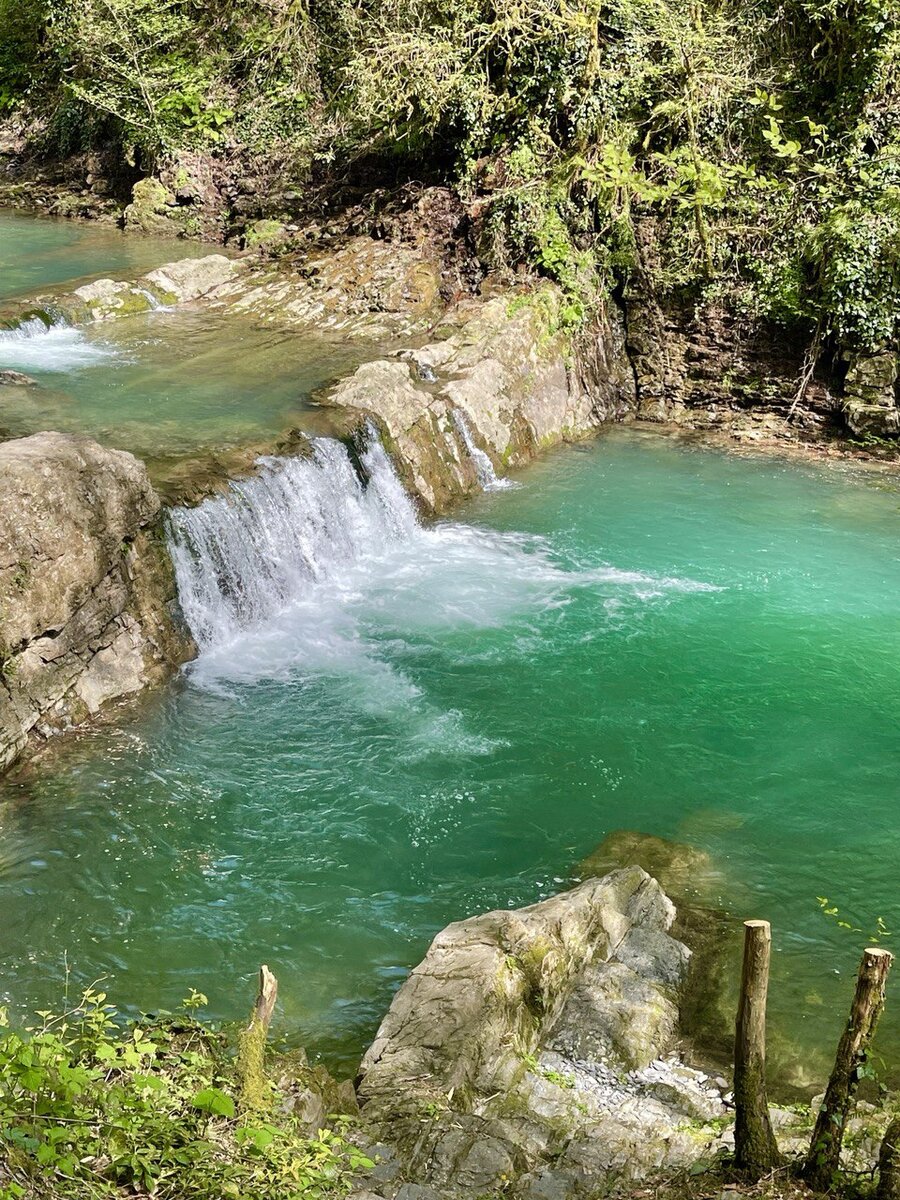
{"x": 889, "y": 1163}
{"x": 253, "y": 1088}
{"x": 265, "y": 998}
{"x": 824, "y": 1155}
{"x": 755, "y": 1148}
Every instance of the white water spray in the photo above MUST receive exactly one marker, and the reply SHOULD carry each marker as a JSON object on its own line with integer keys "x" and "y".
{"x": 33, "y": 345}
{"x": 312, "y": 564}
{"x": 488, "y": 478}
{"x": 244, "y": 557}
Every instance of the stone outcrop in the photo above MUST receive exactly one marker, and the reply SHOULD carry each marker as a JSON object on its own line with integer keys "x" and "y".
{"x": 505, "y": 376}
{"x": 537, "y": 1053}
{"x": 870, "y": 396}
{"x": 364, "y": 288}
{"x": 86, "y": 587}
{"x": 533, "y": 1052}
{"x": 179, "y": 282}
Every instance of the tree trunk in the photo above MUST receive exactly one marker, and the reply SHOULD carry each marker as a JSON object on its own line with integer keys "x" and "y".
{"x": 254, "y": 1090}
{"x": 824, "y": 1155}
{"x": 889, "y": 1163}
{"x": 755, "y": 1148}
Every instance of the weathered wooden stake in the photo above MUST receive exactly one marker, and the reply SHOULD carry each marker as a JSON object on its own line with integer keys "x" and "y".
{"x": 755, "y": 1148}
{"x": 889, "y": 1163}
{"x": 253, "y": 1089}
{"x": 824, "y": 1155}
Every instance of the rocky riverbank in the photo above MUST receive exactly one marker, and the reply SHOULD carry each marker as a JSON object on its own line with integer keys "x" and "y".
{"x": 552, "y": 1052}
{"x": 88, "y": 610}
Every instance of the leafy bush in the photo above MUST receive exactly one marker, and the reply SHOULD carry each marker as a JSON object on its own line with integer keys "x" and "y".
{"x": 92, "y": 1105}
{"x": 762, "y": 140}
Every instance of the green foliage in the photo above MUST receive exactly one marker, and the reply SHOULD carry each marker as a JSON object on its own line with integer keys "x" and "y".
{"x": 876, "y": 934}
{"x": 22, "y": 23}
{"x": 92, "y": 1106}
{"x": 173, "y": 74}
{"x": 759, "y": 143}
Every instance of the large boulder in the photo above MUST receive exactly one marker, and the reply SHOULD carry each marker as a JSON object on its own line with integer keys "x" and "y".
{"x": 87, "y": 594}
{"x": 533, "y": 1052}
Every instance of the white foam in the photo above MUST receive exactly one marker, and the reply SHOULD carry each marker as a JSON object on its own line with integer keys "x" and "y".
{"x": 312, "y": 566}
{"x": 487, "y": 477}
{"x": 35, "y": 346}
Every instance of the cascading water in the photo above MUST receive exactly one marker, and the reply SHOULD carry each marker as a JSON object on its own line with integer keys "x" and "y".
{"x": 155, "y": 303}
{"x": 35, "y": 345}
{"x": 242, "y": 558}
{"x": 488, "y": 478}
{"x": 300, "y": 564}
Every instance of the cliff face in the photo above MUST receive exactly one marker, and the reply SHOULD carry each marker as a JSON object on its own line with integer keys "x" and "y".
{"x": 86, "y": 589}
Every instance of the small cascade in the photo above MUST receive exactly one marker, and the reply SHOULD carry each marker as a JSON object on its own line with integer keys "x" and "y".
{"x": 156, "y": 305}
{"x": 30, "y": 327}
{"x": 488, "y": 478}
{"x": 242, "y": 558}
{"x": 36, "y": 344}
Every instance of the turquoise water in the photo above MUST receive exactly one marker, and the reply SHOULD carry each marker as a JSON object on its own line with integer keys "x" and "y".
{"x": 46, "y": 253}
{"x": 170, "y": 383}
{"x": 644, "y": 635}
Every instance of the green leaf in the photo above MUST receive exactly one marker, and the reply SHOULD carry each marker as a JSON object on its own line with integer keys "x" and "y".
{"x": 215, "y": 1102}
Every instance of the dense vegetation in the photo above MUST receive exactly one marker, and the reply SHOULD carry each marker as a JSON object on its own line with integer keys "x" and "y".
{"x": 761, "y": 138}
{"x": 94, "y": 1106}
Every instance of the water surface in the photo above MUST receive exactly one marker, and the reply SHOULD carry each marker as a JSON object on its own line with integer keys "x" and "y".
{"x": 40, "y": 253}
{"x": 644, "y": 635}
{"x": 168, "y": 383}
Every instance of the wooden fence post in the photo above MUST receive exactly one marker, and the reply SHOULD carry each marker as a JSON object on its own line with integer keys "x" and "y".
{"x": 755, "y": 1148}
{"x": 824, "y": 1155}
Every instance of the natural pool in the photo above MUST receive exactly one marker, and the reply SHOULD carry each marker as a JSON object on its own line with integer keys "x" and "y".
{"x": 168, "y": 385}
{"x": 645, "y": 635}
{"x": 45, "y": 253}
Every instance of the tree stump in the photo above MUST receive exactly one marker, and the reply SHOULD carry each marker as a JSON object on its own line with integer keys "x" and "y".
{"x": 755, "y": 1148}
{"x": 824, "y": 1155}
{"x": 253, "y": 1088}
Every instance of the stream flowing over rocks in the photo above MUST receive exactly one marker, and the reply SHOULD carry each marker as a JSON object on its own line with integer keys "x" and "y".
{"x": 500, "y": 384}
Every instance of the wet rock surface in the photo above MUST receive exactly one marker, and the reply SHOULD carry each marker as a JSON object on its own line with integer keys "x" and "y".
{"x": 507, "y": 371}
{"x": 179, "y": 282}
{"x": 86, "y": 588}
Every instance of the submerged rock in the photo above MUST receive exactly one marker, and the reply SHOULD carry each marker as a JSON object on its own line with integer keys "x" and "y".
{"x": 86, "y": 587}
{"x": 16, "y": 379}
{"x": 533, "y": 1052}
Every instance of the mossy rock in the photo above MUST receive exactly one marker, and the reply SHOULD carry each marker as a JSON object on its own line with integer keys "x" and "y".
{"x": 154, "y": 209}
{"x": 265, "y": 235}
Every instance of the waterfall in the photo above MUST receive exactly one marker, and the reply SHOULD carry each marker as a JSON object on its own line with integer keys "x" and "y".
{"x": 488, "y": 478}
{"x": 36, "y": 345}
{"x": 156, "y": 305}
{"x": 243, "y": 557}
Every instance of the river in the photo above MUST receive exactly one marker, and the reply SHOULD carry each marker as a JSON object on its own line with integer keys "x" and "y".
{"x": 391, "y": 726}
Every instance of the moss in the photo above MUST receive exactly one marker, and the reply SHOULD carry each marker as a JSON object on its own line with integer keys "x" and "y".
{"x": 254, "y": 1091}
